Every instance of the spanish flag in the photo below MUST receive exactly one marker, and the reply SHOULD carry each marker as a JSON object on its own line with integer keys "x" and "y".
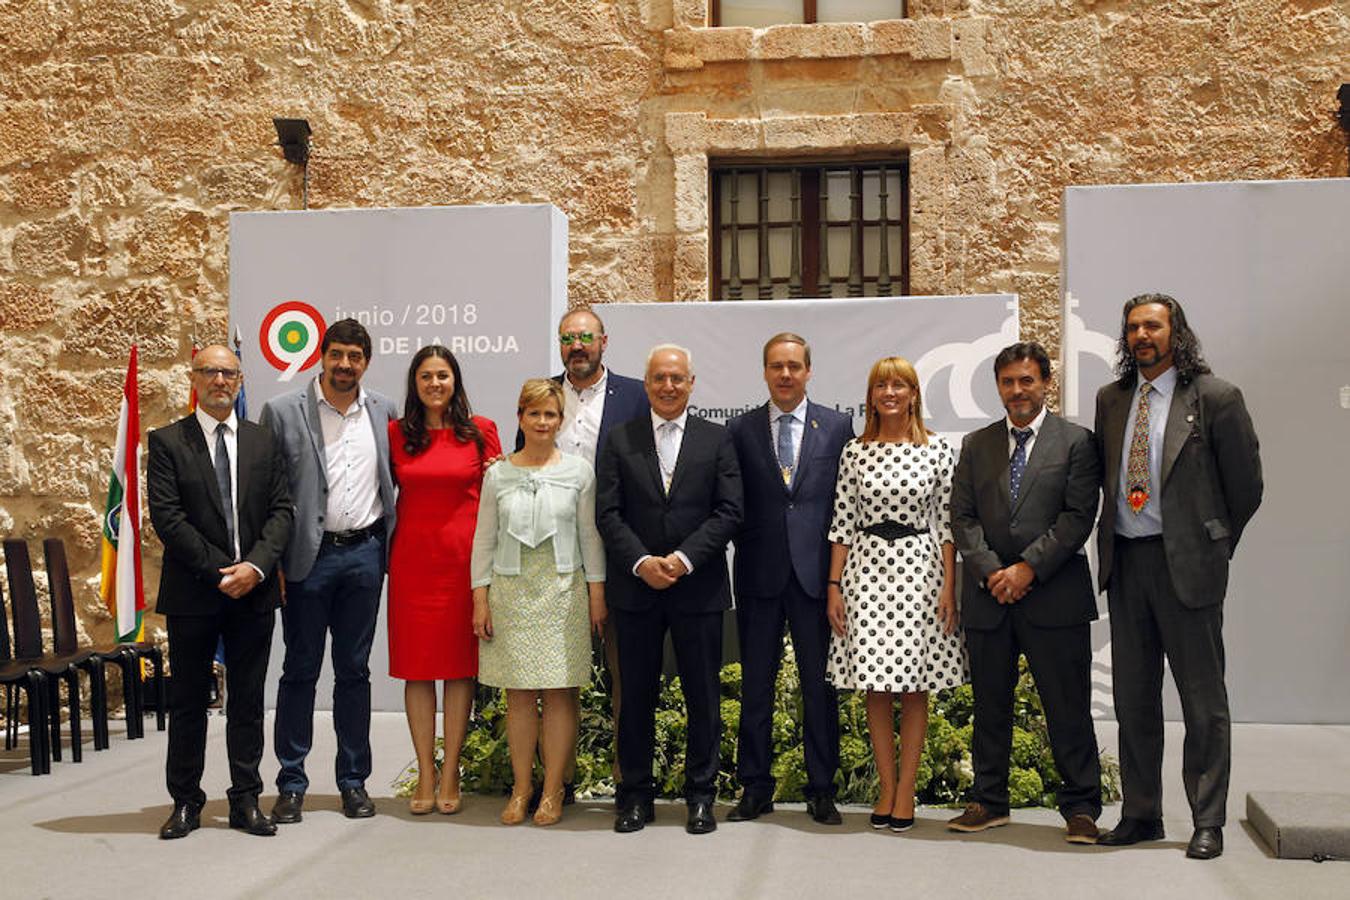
{"x": 122, "y": 588}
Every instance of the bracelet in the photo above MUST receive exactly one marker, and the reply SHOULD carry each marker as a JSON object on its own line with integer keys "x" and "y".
{"x": 833, "y": 582}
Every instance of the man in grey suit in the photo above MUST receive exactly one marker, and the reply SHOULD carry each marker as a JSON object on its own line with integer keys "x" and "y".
{"x": 1023, "y": 499}
{"x": 1183, "y": 478}
{"x": 335, "y": 435}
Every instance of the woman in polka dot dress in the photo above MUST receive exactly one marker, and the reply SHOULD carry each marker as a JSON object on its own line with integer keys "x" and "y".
{"x": 891, "y": 598}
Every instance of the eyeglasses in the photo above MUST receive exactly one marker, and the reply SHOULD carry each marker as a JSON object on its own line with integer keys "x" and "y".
{"x": 211, "y": 373}
{"x": 664, "y": 378}
{"x": 585, "y": 338}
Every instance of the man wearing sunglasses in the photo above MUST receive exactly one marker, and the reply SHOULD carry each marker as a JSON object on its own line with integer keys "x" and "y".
{"x": 595, "y": 400}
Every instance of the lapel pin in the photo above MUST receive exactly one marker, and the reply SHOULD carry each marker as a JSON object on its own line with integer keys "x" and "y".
{"x": 815, "y": 424}
{"x": 1190, "y": 418}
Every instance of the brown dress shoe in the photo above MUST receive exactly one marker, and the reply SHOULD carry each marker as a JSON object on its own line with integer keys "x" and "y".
{"x": 1080, "y": 829}
{"x": 976, "y": 818}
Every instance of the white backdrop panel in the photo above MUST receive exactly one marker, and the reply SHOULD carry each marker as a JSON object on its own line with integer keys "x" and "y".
{"x": 486, "y": 281}
{"x": 1262, "y": 271}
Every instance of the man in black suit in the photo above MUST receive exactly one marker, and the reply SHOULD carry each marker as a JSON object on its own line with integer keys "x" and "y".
{"x": 219, "y": 502}
{"x": 668, "y": 499}
{"x": 1023, "y": 499}
{"x": 788, "y": 450}
{"x": 595, "y": 399}
{"x": 1183, "y": 479}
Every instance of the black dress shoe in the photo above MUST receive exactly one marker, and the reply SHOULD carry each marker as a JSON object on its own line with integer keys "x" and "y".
{"x": 286, "y": 811}
{"x": 356, "y": 803}
{"x": 823, "y": 810}
{"x": 750, "y": 807}
{"x": 701, "y": 819}
{"x": 250, "y": 819}
{"x": 634, "y": 816}
{"x": 879, "y": 821}
{"x": 185, "y": 818}
{"x": 1206, "y": 843}
{"x": 899, "y": 825}
{"x": 1132, "y": 831}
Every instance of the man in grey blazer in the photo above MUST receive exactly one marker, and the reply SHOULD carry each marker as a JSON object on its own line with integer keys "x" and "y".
{"x": 1182, "y": 479}
{"x": 1023, "y": 499}
{"x": 335, "y": 435}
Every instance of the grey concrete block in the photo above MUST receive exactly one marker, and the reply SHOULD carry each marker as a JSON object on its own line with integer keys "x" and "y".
{"x": 1302, "y": 826}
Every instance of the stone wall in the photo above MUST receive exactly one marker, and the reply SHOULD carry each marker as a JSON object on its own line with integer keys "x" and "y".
{"x": 130, "y": 129}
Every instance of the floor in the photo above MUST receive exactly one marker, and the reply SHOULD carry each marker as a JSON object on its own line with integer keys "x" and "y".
{"x": 94, "y": 824}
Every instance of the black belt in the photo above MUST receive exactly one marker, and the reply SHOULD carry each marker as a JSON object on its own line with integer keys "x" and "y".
{"x": 356, "y": 536}
{"x": 892, "y": 531}
{"x": 1146, "y": 539}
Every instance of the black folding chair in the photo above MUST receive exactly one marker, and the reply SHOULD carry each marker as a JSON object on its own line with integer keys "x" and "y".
{"x": 17, "y": 676}
{"x": 28, "y": 650}
{"x": 126, "y": 655}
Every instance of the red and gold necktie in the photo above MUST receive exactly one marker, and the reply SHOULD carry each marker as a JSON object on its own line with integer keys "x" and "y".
{"x": 1136, "y": 473}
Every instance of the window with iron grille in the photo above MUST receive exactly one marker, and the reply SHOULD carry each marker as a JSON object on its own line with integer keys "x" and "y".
{"x": 761, "y": 13}
{"x": 809, "y": 229}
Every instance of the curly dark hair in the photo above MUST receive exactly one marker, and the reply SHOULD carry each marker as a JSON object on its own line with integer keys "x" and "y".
{"x": 1186, "y": 354}
{"x": 414, "y": 422}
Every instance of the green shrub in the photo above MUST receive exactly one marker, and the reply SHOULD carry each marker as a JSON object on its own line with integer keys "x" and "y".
{"x": 945, "y": 771}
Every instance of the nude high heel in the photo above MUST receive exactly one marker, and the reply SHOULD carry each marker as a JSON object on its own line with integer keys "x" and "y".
{"x": 550, "y": 809}
{"x": 516, "y": 808}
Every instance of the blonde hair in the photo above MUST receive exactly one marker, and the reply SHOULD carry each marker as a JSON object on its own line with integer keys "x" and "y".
{"x": 886, "y": 368}
{"x": 538, "y": 390}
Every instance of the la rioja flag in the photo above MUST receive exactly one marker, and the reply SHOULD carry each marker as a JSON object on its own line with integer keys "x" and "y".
{"x": 121, "y": 585}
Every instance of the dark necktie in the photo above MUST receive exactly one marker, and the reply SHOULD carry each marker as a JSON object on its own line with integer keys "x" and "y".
{"x": 1019, "y": 461}
{"x": 223, "y": 482}
{"x": 785, "y": 459}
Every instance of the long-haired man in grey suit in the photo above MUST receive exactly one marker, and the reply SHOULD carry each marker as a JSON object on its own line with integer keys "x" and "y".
{"x": 1182, "y": 479}
{"x": 336, "y": 437}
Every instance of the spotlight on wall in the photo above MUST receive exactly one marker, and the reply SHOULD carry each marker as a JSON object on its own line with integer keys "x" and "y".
{"x": 293, "y": 138}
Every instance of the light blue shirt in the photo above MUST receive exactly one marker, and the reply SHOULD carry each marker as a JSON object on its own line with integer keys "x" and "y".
{"x": 1148, "y": 521}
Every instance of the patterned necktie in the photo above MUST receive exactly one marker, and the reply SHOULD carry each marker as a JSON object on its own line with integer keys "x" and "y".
{"x": 666, "y": 452}
{"x": 223, "y": 482}
{"x": 1019, "y": 461}
{"x": 1136, "y": 472}
{"x": 785, "y": 457}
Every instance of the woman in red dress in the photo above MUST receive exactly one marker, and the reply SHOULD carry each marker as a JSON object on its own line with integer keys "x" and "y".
{"x": 438, "y": 451}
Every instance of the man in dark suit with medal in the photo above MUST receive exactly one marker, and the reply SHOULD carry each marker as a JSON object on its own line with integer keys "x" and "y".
{"x": 1182, "y": 480}
{"x": 1023, "y": 500}
{"x": 220, "y": 504}
{"x": 788, "y": 451}
{"x": 668, "y": 500}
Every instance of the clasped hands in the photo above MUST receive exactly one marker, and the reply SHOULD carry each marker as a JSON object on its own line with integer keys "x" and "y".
{"x": 660, "y": 572}
{"x": 1010, "y": 584}
{"x": 238, "y": 579}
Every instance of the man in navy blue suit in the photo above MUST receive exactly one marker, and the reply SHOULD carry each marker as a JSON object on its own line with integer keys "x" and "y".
{"x": 595, "y": 400}
{"x": 788, "y": 451}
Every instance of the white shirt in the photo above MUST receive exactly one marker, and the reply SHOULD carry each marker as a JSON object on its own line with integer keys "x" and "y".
{"x": 775, "y": 422}
{"x": 209, "y": 425}
{"x": 582, "y": 411}
{"x": 679, "y": 421}
{"x": 351, "y": 464}
{"x": 1148, "y": 522}
{"x": 1034, "y": 425}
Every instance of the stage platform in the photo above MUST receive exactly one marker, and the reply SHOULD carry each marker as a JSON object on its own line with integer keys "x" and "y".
{"x": 94, "y": 824}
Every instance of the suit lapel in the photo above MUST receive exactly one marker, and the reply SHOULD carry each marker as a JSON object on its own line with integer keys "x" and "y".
{"x": 309, "y": 401}
{"x": 645, "y": 442}
{"x": 196, "y": 440}
{"x": 998, "y": 460}
{"x": 682, "y": 458}
{"x": 761, "y": 432}
{"x": 1113, "y": 438}
{"x": 809, "y": 430}
{"x": 1180, "y": 415}
{"x": 1044, "y": 447}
